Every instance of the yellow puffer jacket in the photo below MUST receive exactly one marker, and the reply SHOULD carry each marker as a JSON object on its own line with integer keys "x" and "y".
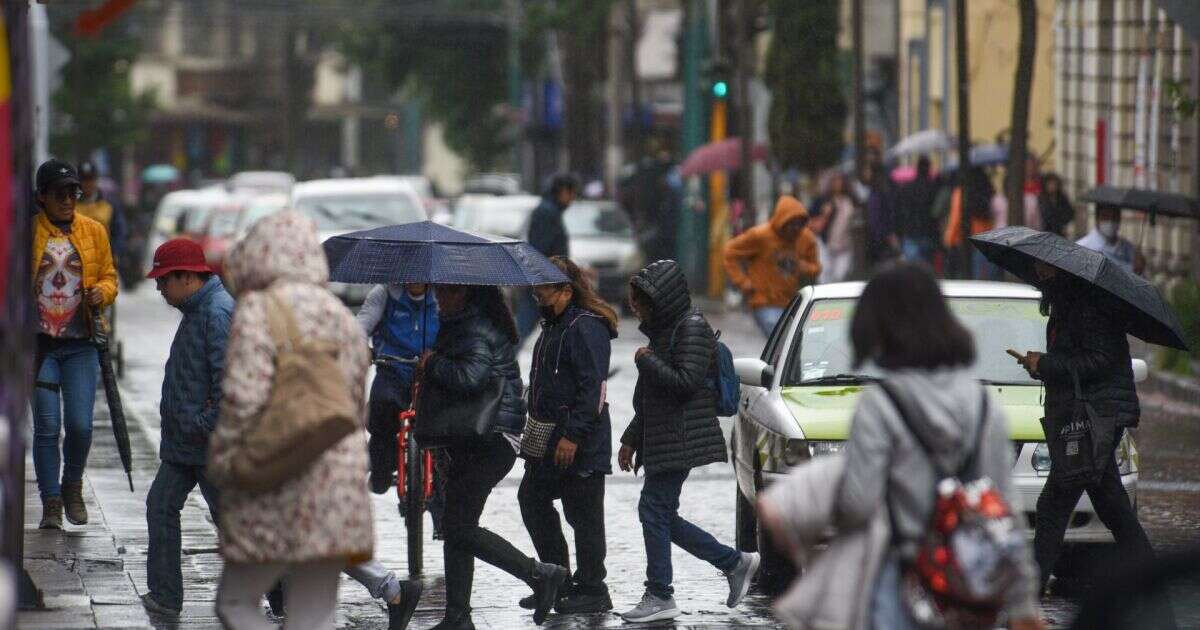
{"x": 100, "y": 210}
{"x": 91, "y": 241}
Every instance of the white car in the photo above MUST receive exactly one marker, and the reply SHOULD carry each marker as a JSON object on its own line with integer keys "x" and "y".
{"x": 340, "y": 206}
{"x": 798, "y": 398}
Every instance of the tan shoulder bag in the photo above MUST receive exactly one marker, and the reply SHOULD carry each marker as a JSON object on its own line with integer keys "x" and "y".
{"x": 309, "y": 411}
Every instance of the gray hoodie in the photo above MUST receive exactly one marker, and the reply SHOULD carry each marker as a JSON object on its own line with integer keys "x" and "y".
{"x": 884, "y": 462}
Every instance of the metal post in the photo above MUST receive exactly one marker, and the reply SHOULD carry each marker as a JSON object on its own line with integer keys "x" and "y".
{"x": 860, "y": 129}
{"x": 718, "y": 207}
{"x": 745, "y": 109}
{"x": 964, "y": 128}
{"x": 690, "y": 241}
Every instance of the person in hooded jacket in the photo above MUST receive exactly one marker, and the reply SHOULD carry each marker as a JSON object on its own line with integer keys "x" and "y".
{"x": 476, "y": 343}
{"x": 674, "y": 430}
{"x": 903, "y": 325}
{"x": 567, "y": 386}
{"x": 771, "y": 262}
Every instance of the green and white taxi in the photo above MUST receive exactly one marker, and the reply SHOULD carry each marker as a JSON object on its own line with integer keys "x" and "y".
{"x": 799, "y": 396}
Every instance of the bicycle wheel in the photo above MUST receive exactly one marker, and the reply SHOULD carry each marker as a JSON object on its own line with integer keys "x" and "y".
{"x": 414, "y": 519}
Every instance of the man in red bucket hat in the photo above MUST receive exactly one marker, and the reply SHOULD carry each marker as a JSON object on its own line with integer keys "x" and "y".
{"x": 191, "y": 396}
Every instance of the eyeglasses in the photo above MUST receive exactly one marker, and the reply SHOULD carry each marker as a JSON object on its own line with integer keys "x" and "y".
{"x": 68, "y": 193}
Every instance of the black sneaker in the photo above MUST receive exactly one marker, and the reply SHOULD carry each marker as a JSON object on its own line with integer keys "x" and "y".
{"x": 157, "y": 607}
{"x": 380, "y": 484}
{"x": 400, "y": 614}
{"x": 529, "y": 602}
{"x": 584, "y": 603}
{"x": 275, "y": 601}
{"x": 548, "y": 579}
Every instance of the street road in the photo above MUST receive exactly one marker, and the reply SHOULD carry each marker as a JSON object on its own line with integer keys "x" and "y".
{"x": 1169, "y": 504}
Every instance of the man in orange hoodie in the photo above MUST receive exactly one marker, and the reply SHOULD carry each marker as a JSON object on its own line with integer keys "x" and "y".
{"x": 771, "y": 262}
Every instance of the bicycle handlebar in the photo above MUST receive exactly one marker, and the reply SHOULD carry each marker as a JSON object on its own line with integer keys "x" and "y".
{"x": 385, "y": 359}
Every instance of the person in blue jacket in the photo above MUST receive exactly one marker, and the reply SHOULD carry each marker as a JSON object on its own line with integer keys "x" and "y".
{"x": 568, "y": 436}
{"x": 401, "y": 320}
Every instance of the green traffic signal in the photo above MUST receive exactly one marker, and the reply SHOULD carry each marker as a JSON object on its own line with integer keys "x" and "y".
{"x": 720, "y": 89}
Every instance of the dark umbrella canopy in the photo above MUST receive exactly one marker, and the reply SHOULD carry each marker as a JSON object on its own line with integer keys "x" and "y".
{"x": 112, "y": 393}
{"x": 1150, "y": 201}
{"x": 1016, "y": 248}
{"x": 428, "y": 252}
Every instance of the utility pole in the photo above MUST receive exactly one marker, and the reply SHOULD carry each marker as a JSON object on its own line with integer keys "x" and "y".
{"x": 964, "y": 130}
{"x": 635, "y": 89}
{"x": 718, "y": 206}
{"x": 860, "y": 125}
{"x": 690, "y": 241}
{"x": 744, "y": 48}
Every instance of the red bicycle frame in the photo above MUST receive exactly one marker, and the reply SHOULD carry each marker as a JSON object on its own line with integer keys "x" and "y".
{"x": 407, "y": 419}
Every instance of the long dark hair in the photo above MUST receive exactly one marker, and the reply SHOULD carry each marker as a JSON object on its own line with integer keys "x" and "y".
{"x": 493, "y": 306}
{"x": 902, "y": 321}
{"x": 583, "y": 294}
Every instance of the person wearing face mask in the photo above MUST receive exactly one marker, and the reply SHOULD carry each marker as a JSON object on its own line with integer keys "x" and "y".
{"x": 73, "y": 276}
{"x": 1106, "y": 238}
{"x": 568, "y": 437}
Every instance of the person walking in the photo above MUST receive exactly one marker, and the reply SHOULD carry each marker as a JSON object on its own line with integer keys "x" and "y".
{"x": 401, "y": 321}
{"x": 568, "y": 438}
{"x": 191, "y": 399}
{"x": 1055, "y": 211}
{"x": 771, "y": 262}
{"x": 674, "y": 430}
{"x": 94, "y": 205}
{"x": 312, "y": 526}
{"x": 548, "y": 234}
{"x": 476, "y": 345}
{"x": 978, "y": 208}
{"x": 915, "y": 223}
{"x": 1085, "y": 344}
{"x": 832, "y": 220}
{"x": 1106, "y": 238}
{"x": 903, "y": 325}
{"x": 73, "y": 277}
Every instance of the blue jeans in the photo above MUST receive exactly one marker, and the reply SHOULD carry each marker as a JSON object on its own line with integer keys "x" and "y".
{"x": 917, "y": 250}
{"x": 164, "y": 502}
{"x": 766, "y": 317}
{"x": 888, "y": 610}
{"x": 658, "y": 510}
{"x": 69, "y": 368}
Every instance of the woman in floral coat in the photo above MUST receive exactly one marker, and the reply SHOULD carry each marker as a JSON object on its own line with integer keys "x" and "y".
{"x": 311, "y": 527}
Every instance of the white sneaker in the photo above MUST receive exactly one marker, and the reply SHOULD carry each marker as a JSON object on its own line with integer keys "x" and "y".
{"x": 652, "y": 608}
{"x": 740, "y": 578}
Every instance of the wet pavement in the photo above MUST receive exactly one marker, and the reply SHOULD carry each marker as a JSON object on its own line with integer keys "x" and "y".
{"x": 1169, "y": 505}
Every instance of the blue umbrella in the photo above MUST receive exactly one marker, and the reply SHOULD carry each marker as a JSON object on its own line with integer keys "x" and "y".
{"x": 160, "y": 174}
{"x": 433, "y": 253}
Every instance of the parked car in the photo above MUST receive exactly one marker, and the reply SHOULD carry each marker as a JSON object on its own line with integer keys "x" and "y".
{"x": 339, "y": 206}
{"x": 229, "y": 223}
{"x": 798, "y": 398}
{"x": 493, "y": 184}
{"x": 601, "y": 234}
{"x": 261, "y": 182}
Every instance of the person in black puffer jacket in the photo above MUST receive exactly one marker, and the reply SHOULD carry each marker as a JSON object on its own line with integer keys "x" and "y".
{"x": 569, "y": 428}
{"x": 478, "y": 340}
{"x": 1085, "y": 339}
{"x": 674, "y": 430}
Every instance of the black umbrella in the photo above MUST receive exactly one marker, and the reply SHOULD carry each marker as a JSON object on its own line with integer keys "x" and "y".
{"x": 428, "y": 252}
{"x": 1016, "y": 248}
{"x": 1152, "y": 202}
{"x": 116, "y": 411}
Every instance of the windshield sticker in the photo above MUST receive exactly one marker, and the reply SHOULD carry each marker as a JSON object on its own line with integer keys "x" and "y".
{"x": 812, "y": 374}
{"x": 815, "y": 330}
{"x": 827, "y": 315}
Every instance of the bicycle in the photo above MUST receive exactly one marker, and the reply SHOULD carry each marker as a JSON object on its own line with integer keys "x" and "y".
{"x": 414, "y": 473}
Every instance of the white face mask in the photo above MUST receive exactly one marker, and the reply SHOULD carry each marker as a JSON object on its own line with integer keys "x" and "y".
{"x": 1107, "y": 228}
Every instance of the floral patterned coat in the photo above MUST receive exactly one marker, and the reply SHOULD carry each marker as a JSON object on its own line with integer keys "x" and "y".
{"x": 324, "y": 513}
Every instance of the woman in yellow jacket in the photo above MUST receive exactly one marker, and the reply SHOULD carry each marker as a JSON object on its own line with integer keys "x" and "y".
{"x": 73, "y": 273}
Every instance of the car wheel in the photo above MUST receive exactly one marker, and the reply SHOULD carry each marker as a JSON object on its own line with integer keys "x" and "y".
{"x": 776, "y": 572}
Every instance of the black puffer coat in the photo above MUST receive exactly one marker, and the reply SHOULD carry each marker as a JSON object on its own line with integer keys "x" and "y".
{"x": 470, "y": 348}
{"x": 1087, "y": 335}
{"x": 675, "y": 418}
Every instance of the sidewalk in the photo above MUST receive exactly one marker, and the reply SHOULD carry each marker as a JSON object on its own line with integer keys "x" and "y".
{"x": 90, "y": 576}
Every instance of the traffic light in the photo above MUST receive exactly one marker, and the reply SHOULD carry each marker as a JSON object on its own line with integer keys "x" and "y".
{"x": 716, "y": 73}
{"x": 720, "y": 89}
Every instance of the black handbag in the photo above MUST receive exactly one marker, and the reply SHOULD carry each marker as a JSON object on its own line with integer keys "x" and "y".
{"x": 446, "y": 417}
{"x": 1080, "y": 447}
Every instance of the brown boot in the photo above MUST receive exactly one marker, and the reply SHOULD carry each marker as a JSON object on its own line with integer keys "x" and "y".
{"x": 52, "y": 513}
{"x": 73, "y": 500}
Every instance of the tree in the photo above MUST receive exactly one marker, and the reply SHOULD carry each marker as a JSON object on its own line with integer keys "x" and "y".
{"x": 95, "y": 107}
{"x": 1014, "y": 180}
{"x": 808, "y": 108}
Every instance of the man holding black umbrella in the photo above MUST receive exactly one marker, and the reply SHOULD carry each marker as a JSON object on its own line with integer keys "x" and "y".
{"x": 191, "y": 397}
{"x": 73, "y": 273}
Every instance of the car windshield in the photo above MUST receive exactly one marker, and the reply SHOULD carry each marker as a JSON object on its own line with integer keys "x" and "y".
{"x": 194, "y": 218}
{"x": 223, "y": 223}
{"x": 359, "y": 212}
{"x": 586, "y": 218}
{"x": 821, "y": 354}
{"x": 497, "y": 215}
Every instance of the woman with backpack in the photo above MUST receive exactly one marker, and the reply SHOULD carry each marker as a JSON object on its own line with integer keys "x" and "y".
{"x": 674, "y": 430}
{"x": 475, "y": 359}
{"x": 568, "y": 436}
{"x": 902, "y": 324}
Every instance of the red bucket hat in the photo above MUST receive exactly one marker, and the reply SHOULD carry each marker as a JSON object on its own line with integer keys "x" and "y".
{"x": 178, "y": 254}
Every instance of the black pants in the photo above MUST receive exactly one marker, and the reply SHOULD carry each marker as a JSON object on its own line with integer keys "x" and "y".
{"x": 583, "y": 504}
{"x": 1057, "y": 502}
{"x": 164, "y": 502}
{"x": 472, "y": 472}
{"x": 388, "y": 398}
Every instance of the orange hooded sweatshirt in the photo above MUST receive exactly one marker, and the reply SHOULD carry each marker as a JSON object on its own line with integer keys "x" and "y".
{"x": 769, "y": 269}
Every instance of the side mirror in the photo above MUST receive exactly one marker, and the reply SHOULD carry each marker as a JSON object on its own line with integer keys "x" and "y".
{"x": 754, "y": 372}
{"x": 1141, "y": 371}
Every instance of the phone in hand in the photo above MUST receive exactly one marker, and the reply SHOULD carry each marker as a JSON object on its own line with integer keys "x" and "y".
{"x": 1016, "y": 355}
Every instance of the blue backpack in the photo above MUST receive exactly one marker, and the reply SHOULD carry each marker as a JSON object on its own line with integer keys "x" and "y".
{"x": 726, "y": 386}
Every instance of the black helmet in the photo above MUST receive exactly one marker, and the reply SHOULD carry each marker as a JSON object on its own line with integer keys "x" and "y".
{"x": 55, "y": 172}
